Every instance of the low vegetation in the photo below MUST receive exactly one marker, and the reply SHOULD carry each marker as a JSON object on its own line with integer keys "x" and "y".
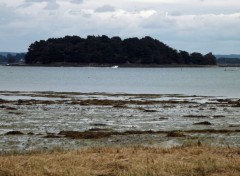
{"x": 125, "y": 161}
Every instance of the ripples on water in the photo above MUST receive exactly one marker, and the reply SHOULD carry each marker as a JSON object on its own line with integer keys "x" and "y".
{"x": 211, "y": 81}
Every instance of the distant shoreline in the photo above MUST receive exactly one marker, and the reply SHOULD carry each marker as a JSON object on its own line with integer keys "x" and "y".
{"x": 112, "y": 65}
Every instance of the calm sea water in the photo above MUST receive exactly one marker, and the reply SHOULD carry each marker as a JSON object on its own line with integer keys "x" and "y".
{"x": 189, "y": 81}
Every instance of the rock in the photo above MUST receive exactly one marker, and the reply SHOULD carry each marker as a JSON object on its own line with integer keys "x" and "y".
{"x": 163, "y": 118}
{"x": 14, "y": 133}
{"x": 30, "y": 133}
{"x": 84, "y": 135}
{"x": 203, "y": 123}
{"x": 20, "y": 101}
{"x": 195, "y": 116}
{"x": 11, "y": 108}
{"x": 149, "y": 110}
{"x": 218, "y": 116}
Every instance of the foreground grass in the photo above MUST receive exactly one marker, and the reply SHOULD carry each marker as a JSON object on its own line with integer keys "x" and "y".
{"x": 125, "y": 161}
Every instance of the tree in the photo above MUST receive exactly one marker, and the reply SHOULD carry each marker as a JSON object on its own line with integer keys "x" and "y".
{"x": 105, "y": 50}
{"x": 210, "y": 59}
{"x": 197, "y": 58}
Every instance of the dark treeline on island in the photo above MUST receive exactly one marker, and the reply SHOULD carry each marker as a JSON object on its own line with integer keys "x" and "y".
{"x": 105, "y": 50}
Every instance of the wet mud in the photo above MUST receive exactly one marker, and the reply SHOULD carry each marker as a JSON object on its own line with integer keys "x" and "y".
{"x": 44, "y": 120}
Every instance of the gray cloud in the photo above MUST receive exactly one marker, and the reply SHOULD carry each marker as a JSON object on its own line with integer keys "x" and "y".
{"x": 80, "y": 13}
{"x": 159, "y": 20}
{"x": 51, "y": 4}
{"x": 72, "y": 1}
{"x": 33, "y": 1}
{"x": 6, "y": 14}
{"x": 199, "y": 26}
{"x": 29, "y": 2}
{"x": 105, "y": 8}
{"x": 76, "y": 1}
{"x": 36, "y": 1}
{"x": 175, "y": 13}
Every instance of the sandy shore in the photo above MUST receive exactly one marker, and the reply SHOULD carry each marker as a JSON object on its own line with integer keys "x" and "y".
{"x": 46, "y": 120}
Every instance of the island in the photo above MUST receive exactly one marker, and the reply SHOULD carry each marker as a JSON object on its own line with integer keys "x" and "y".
{"x": 102, "y": 50}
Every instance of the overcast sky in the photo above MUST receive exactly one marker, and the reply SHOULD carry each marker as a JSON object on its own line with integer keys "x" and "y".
{"x": 191, "y": 25}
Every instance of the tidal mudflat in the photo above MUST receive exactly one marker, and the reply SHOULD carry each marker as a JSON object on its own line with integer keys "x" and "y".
{"x": 46, "y": 120}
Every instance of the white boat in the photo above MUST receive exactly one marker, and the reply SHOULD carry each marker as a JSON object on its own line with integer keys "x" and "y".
{"x": 114, "y": 66}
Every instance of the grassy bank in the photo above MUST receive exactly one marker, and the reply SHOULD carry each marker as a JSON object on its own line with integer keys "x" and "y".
{"x": 129, "y": 161}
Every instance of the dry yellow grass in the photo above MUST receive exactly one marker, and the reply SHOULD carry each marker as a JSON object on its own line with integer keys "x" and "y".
{"x": 125, "y": 161}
